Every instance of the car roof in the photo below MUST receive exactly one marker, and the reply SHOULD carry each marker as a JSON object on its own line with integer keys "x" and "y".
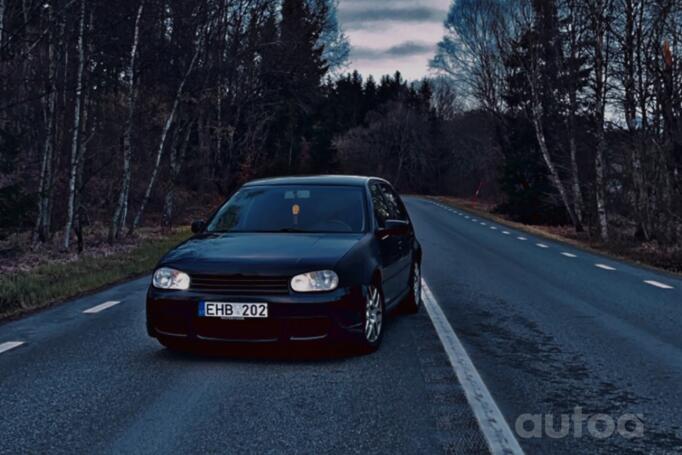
{"x": 342, "y": 180}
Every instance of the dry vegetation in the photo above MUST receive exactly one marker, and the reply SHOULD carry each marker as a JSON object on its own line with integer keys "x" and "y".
{"x": 34, "y": 279}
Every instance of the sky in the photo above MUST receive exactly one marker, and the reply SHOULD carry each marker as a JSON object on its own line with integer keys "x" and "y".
{"x": 390, "y": 35}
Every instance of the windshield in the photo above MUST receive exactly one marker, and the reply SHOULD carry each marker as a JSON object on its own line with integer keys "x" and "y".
{"x": 301, "y": 208}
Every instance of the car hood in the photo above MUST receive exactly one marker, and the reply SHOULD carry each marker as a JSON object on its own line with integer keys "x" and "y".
{"x": 260, "y": 253}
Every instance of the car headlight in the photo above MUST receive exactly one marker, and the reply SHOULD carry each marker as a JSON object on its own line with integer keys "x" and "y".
{"x": 324, "y": 280}
{"x": 167, "y": 278}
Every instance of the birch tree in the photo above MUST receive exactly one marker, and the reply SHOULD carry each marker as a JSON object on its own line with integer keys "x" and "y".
{"x": 199, "y": 40}
{"x": 631, "y": 47}
{"x": 597, "y": 11}
{"x": 42, "y": 227}
{"x": 575, "y": 75}
{"x": 120, "y": 214}
{"x": 527, "y": 18}
{"x": 177, "y": 157}
{"x": 75, "y": 141}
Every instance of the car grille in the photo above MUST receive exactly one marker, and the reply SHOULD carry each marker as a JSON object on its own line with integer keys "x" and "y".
{"x": 240, "y": 284}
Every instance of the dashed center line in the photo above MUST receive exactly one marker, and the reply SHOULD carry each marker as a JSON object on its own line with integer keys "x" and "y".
{"x": 102, "y": 307}
{"x": 658, "y": 284}
{"x": 96, "y": 309}
{"x": 6, "y": 346}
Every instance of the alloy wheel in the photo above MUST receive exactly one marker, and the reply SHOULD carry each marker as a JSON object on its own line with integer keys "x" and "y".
{"x": 373, "y": 315}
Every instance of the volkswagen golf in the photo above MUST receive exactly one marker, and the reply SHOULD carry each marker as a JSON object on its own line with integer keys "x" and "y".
{"x": 291, "y": 259}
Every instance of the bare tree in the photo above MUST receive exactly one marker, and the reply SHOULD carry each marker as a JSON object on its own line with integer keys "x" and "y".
{"x": 572, "y": 67}
{"x": 199, "y": 41}
{"x": 42, "y": 226}
{"x": 75, "y": 143}
{"x": 121, "y": 211}
{"x": 177, "y": 157}
{"x": 597, "y": 11}
{"x": 470, "y": 52}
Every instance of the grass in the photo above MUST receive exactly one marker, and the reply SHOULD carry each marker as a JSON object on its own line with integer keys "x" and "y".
{"x": 25, "y": 291}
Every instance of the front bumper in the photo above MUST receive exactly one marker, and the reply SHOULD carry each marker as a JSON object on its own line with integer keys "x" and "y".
{"x": 293, "y": 317}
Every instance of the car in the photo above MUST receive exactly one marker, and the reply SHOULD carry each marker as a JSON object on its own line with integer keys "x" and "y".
{"x": 290, "y": 259}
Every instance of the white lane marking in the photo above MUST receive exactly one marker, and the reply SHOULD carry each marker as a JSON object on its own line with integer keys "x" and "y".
{"x": 466, "y": 216}
{"x": 542, "y": 245}
{"x": 658, "y": 284}
{"x": 569, "y": 255}
{"x": 483, "y": 224}
{"x": 102, "y": 307}
{"x": 6, "y": 346}
{"x": 506, "y": 232}
{"x": 604, "y": 266}
{"x": 495, "y": 429}
{"x": 493, "y": 228}
{"x": 521, "y": 238}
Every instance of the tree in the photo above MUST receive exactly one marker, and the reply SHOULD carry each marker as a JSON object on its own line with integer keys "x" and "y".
{"x": 120, "y": 214}
{"x": 76, "y": 134}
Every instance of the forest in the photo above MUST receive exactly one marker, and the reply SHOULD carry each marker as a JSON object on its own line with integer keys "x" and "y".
{"x": 116, "y": 115}
{"x": 583, "y": 98}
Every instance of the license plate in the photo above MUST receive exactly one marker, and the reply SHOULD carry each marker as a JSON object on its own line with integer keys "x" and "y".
{"x": 228, "y": 310}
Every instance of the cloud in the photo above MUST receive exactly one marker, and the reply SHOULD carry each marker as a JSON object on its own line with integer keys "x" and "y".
{"x": 405, "y": 49}
{"x": 353, "y": 18}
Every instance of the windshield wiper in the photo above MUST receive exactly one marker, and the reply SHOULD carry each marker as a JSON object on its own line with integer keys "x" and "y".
{"x": 290, "y": 229}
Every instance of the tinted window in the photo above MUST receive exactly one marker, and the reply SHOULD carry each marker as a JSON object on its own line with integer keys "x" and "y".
{"x": 395, "y": 206}
{"x": 381, "y": 209}
{"x": 304, "y": 208}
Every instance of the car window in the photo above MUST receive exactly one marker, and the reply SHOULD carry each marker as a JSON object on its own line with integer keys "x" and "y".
{"x": 304, "y": 208}
{"x": 395, "y": 206}
{"x": 382, "y": 211}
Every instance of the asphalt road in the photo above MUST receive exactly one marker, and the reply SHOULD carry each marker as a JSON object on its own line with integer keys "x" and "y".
{"x": 547, "y": 332}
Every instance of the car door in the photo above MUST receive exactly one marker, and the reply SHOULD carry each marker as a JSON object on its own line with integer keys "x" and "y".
{"x": 404, "y": 239}
{"x": 389, "y": 250}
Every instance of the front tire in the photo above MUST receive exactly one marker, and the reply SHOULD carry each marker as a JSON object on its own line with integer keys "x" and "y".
{"x": 373, "y": 319}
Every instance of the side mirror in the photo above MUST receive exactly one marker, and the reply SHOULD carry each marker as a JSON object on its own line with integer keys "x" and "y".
{"x": 394, "y": 227}
{"x": 198, "y": 226}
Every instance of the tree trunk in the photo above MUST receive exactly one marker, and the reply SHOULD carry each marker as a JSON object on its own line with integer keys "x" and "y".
{"x": 120, "y": 214}
{"x": 601, "y": 186}
{"x": 164, "y": 134}
{"x": 554, "y": 175}
{"x": 599, "y": 27}
{"x": 630, "y": 110}
{"x": 578, "y": 202}
{"x": 41, "y": 232}
{"x": 536, "y": 114}
{"x": 2, "y": 21}
{"x": 575, "y": 180}
{"x": 177, "y": 157}
{"x": 75, "y": 143}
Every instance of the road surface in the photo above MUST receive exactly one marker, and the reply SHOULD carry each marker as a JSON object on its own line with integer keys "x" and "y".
{"x": 546, "y": 331}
